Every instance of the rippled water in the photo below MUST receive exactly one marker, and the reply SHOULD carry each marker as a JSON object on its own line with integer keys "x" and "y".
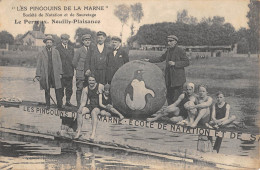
{"x": 23, "y": 151}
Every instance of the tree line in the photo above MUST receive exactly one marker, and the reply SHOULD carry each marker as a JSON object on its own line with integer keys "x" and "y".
{"x": 208, "y": 31}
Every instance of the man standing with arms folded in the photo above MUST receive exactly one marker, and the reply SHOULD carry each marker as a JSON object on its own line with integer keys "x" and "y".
{"x": 49, "y": 71}
{"x": 176, "y": 60}
{"x": 116, "y": 58}
{"x": 66, "y": 55}
{"x": 81, "y": 63}
{"x": 99, "y": 58}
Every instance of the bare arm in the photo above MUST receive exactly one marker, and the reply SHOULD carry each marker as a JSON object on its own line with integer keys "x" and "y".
{"x": 101, "y": 101}
{"x": 214, "y": 113}
{"x": 205, "y": 104}
{"x": 180, "y": 98}
{"x": 175, "y": 104}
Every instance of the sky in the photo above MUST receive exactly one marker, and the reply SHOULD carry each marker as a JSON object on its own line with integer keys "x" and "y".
{"x": 155, "y": 11}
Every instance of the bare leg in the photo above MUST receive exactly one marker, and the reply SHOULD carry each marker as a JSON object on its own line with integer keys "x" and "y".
{"x": 176, "y": 119}
{"x": 94, "y": 121}
{"x": 228, "y": 121}
{"x": 201, "y": 114}
{"x": 166, "y": 112}
{"x": 113, "y": 110}
{"x": 191, "y": 115}
{"x": 85, "y": 110}
{"x": 105, "y": 113}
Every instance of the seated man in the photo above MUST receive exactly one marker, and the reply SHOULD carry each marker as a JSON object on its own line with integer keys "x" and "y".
{"x": 105, "y": 103}
{"x": 220, "y": 112}
{"x": 177, "y": 110}
{"x": 203, "y": 106}
{"x": 90, "y": 104}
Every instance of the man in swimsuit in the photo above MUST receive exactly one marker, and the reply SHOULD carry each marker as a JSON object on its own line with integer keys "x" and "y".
{"x": 177, "y": 110}
{"x": 105, "y": 103}
{"x": 203, "y": 106}
{"x": 220, "y": 112}
{"x": 90, "y": 104}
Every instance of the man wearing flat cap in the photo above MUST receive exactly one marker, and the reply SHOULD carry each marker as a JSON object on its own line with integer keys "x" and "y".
{"x": 49, "y": 71}
{"x": 176, "y": 60}
{"x": 99, "y": 58}
{"x": 66, "y": 55}
{"x": 81, "y": 63}
{"x": 116, "y": 58}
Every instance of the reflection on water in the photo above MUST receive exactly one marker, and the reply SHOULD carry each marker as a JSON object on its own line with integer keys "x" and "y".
{"x": 17, "y": 150}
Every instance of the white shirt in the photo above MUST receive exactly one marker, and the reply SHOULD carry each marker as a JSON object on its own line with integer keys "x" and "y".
{"x": 86, "y": 48}
{"x": 115, "y": 51}
{"x": 65, "y": 46}
{"x": 100, "y": 48}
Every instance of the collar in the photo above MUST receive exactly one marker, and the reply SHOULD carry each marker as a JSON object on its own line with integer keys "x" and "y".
{"x": 48, "y": 49}
{"x": 102, "y": 45}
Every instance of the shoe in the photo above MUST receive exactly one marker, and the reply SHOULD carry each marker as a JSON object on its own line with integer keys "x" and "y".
{"x": 69, "y": 104}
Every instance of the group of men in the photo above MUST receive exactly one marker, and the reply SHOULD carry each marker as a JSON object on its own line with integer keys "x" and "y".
{"x": 55, "y": 69}
{"x": 55, "y": 66}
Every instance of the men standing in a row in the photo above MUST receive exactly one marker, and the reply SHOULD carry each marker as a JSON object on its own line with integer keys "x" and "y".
{"x": 81, "y": 63}
{"x": 116, "y": 58}
{"x": 66, "y": 55}
{"x": 98, "y": 58}
{"x": 176, "y": 60}
{"x": 49, "y": 71}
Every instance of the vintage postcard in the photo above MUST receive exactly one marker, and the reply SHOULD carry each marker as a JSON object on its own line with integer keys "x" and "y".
{"x": 143, "y": 84}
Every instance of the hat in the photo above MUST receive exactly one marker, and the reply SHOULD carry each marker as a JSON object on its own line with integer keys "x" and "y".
{"x": 85, "y": 36}
{"x": 101, "y": 33}
{"x": 65, "y": 36}
{"x": 107, "y": 87}
{"x": 49, "y": 37}
{"x": 115, "y": 38}
{"x": 172, "y": 37}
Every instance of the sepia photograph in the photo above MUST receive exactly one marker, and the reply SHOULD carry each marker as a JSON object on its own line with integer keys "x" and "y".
{"x": 129, "y": 84}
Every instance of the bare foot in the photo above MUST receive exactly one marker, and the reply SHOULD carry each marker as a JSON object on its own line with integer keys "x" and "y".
{"x": 151, "y": 119}
{"x": 208, "y": 126}
{"x": 193, "y": 125}
{"x": 77, "y": 135}
{"x": 121, "y": 117}
{"x": 92, "y": 137}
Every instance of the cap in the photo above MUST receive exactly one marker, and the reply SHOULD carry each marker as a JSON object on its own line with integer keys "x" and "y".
{"x": 48, "y": 37}
{"x": 85, "y": 36}
{"x": 172, "y": 37}
{"x": 65, "y": 36}
{"x": 101, "y": 33}
{"x": 115, "y": 38}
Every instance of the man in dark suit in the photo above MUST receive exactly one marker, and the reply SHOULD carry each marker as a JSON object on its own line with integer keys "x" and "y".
{"x": 81, "y": 63}
{"x": 66, "y": 55}
{"x": 99, "y": 58}
{"x": 49, "y": 71}
{"x": 176, "y": 60}
{"x": 115, "y": 58}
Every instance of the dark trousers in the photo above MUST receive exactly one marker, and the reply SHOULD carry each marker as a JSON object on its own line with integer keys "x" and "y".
{"x": 173, "y": 93}
{"x": 58, "y": 93}
{"x": 67, "y": 85}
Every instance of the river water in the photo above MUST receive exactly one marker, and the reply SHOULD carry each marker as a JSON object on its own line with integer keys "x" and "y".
{"x": 24, "y": 152}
